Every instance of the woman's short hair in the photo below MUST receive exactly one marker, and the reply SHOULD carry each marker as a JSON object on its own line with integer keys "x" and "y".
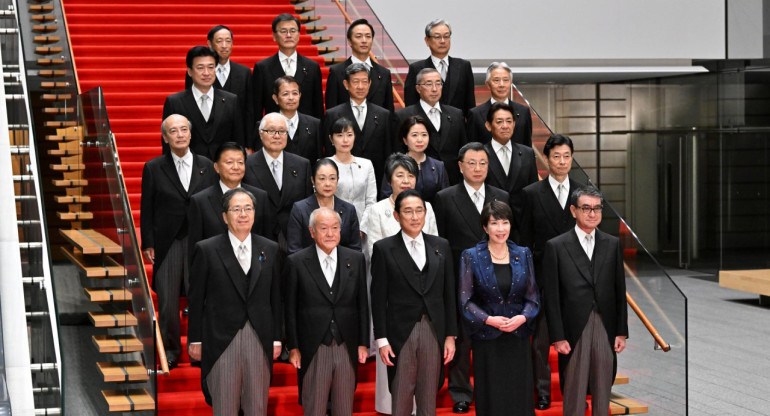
{"x": 498, "y": 210}
{"x": 409, "y": 123}
{"x": 399, "y": 159}
{"x": 340, "y": 125}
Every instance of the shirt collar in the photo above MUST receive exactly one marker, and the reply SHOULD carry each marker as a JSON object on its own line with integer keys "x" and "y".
{"x": 282, "y": 57}
{"x": 408, "y": 240}
{"x": 269, "y": 159}
{"x": 225, "y": 188}
{"x": 235, "y": 242}
{"x": 437, "y": 60}
{"x": 322, "y": 256}
{"x": 426, "y": 107}
{"x": 471, "y": 191}
{"x": 197, "y": 94}
{"x": 294, "y": 119}
{"x": 492, "y": 101}
{"x": 187, "y": 158}
{"x": 555, "y": 184}
{"x": 367, "y": 62}
{"x": 226, "y": 66}
{"x": 496, "y": 146}
{"x": 582, "y": 234}
{"x": 353, "y": 103}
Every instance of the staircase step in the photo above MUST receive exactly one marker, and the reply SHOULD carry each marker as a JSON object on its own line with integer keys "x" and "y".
{"x": 117, "y": 344}
{"x": 108, "y": 295}
{"x": 91, "y": 242}
{"x": 123, "y": 371}
{"x": 75, "y": 216}
{"x": 128, "y": 401}
{"x": 72, "y": 199}
{"x": 68, "y": 183}
{"x": 66, "y": 167}
{"x": 95, "y": 267}
{"x": 112, "y": 320}
{"x": 620, "y": 405}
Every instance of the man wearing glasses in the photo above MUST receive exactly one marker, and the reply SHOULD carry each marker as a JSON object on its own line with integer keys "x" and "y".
{"x": 446, "y": 125}
{"x": 456, "y": 73}
{"x": 585, "y": 302}
{"x": 287, "y": 61}
{"x": 284, "y": 176}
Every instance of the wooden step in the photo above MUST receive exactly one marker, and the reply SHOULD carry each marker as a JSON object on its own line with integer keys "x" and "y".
{"x": 58, "y": 110}
{"x": 95, "y": 267}
{"x": 123, "y": 371}
{"x": 91, "y": 242}
{"x": 620, "y": 379}
{"x": 72, "y": 199}
{"x": 59, "y": 124}
{"x": 50, "y": 85}
{"x": 67, "y": 167}
{"x": 752, "y": 281}
{"x": 65, "y": 151}
{"x": 332, "y": 61}
{"x": 62, "y": 138}
{"x": 112, "y": 320}
{"x": 117, "y": 344}
{"x": 42, "y": 17}
{"x": 56, "y": 97}
{"x": 50, "y": 61}
{"x": 108, "y": 295}
{"x": 75, "y": 216}
{"x": 45, "y": 28}
{"x": 128, "y": 401}
{"x": 46, "y": 39}
{"x": 303, "y": 9}
{"x": 315, "y": 29}
{"x": 48, "y": 50}
{"x": 328, "y": 49}
{"x": 307, "y": 19}
{"x": 41, "y": 8}
{"x": 319, "y": 39}
{"x": 620, "y": 405}
{"x": 70, "y": 182}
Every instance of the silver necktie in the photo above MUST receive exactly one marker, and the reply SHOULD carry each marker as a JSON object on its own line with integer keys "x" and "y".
{"x": 504, "y": 159}
{"x": 360, "y": 116}
{"x": 277, "y": 174}
{"x": 589, "y": 245}
{"x": 442, "y": 69}
{"x": 205, "y": 109}
{"x": 435, "y": 118}
{"x": 562, "y": 195}
{"x": 243, "y": 258}
{"x": 289, "y": 67}
{"x": 416, "y": 256}
{"x": 182, "y": 171}
{"x": 222, "y": 75}
{"x": 478, "y": 201}
{"x": 328, "y": 272}
{"x": 292, "y": 128}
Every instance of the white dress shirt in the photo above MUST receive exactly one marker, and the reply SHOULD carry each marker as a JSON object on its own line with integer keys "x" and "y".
{"x": 291, "y": 124}
{"x": 225, "y": 188}
{"x": 328, "y": 274}
{"x": 269, "y": 159}
{"x": 188, "y": 160}
{"x": 482, "y": 195}
{"x": 367, "y": 62}
{"x": 426, "y": 107}
{"x": 226, "y": 70}
{"x": 362, "y": 119}
{"x": 496, "y": 146}
{"x": 197, "y": 95}
{"x": 555, "y": 187}
{"x": 282, "y": 60}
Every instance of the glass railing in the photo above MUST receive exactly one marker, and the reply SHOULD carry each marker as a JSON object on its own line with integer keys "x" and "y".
{"x": 5, "y": 400}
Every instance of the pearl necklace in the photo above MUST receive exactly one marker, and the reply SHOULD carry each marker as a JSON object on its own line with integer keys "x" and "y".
{"x": 497, "y": 257}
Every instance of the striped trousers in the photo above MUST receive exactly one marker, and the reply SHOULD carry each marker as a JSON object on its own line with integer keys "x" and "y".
{"x": 418, "y": 368}
{"x": 330, "y": 370}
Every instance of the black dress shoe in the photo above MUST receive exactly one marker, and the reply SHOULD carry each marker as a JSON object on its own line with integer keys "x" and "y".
{"x": 543, "y": 402}
{"x": 461, "y": 407}
{"x": 172, "y": 364}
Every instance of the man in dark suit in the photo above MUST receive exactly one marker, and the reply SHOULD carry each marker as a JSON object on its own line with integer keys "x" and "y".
{"x": 287, "y": 62}
{"x": 499, "y": 77}
{"x": 511, "y": 165}
{"x": 213, "y": 113}
{"x": 456, "y": 73}
{"x": 585, "y": 299}
{"x": 231, "y": 77}
{"x": 447, "y": 125}
{"x": 327, "y": 317}
{"x": 305, "y": 138}
{"x": 413, "y": 307}
{"x": 284, "y": 176}
{"x": 168, "y": 182}
{"x": 360, "y": 38}
{"x": 545, "y": 215}
{"x": 372, "y": 124}
{"x": 458, "y": 217}
{"x": 205, "y": 214}
{"x": 235, "y": 311}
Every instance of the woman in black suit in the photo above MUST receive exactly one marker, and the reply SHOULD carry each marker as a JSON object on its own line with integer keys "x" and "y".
{"x": 324, "y": 178}
{"x": 499, "y": 301}
{"x": 432, "y": 176}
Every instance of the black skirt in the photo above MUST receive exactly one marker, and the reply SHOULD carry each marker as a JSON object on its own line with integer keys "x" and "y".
{"x": 502, "y": 371}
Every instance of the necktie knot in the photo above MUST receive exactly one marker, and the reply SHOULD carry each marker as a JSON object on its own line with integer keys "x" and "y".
{"x": 442, "y": 69}
{"x": 478, "y": 200}
{"x": 243, "y": 257}
{"x": 277, "y": 174}
{"x": 205, "y": 109}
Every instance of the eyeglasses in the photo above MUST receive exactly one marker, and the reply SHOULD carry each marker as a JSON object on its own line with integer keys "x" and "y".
{"x": 275, "y": 132}
{"x": 248, "y": 209}
{"x": 439, "y": 37}
{"x": 472, "y": 164}
{"x": 431, "y": 84}
{"x": 287, "y": 31}
{"x": 413, "y": 212}
{"x": 588, "y": 209}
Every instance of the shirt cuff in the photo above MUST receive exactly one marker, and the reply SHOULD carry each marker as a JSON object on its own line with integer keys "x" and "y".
{"x": 277, "y": 343}
{"x": 382, "y": 342}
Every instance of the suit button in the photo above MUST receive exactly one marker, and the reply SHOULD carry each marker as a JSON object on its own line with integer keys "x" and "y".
{"x": 331, "y": 292}
{"x": 332, "y": 320}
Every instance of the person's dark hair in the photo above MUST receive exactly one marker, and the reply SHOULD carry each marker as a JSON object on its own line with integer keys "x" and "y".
{"x": 356, "y": 68}
{"x": 324, "y": 162}
{"x": 498, "y": 210}
{"x": 231, "y": 193}
{"x": 475, "y": 146}
{"x": 406, "y": 194}
{"x": 585, "y": 191}
{"x": 284, "y": 17}
{"x": 399, "y": 159}
{"x": 423, "y": 72}
{"x": 340, "y": 125}
{"x": 557, "y": 140}
{"x": 286, "y": 79}
{"x": 409, "y": 123}
{"x": 357, "y": 23}
{"x": 216, "y": 29}
{"x": 229, "y": 146}
{"x": 198, "y": 51}
{"x": 498, "y": 107}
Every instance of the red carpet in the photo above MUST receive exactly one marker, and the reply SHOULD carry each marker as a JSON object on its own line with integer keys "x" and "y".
{"x": 135, "y": 50}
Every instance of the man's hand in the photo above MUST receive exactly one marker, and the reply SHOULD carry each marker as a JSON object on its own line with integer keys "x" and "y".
{"x": 562, "y": 347}
{"x": 194, "y": 350}
{"x": 149, "y": 254}
{"x": 363, "y": 352}
{"x": 295, "y": 358}
{"x": 449, "y": 349}
{"x": 276, "y": 351}
{"x": 513, "y": 324}
{"x": 385, "y": 353}
{"x": 620, "y": 344}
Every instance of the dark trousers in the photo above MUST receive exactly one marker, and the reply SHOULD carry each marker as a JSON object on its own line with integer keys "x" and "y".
{"x": 330, "y": 370}
{"x": 417, "y": 371}
{"x": 541, "y": 347}
{"x": 168, "y": 278}
{"x": 460, "y": 387}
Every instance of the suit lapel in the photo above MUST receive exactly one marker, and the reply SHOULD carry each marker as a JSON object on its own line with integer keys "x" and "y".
{"x": 343, "y": 271}
{"x": 301, "y": 71}
{"x": 495, "y": 167}
{"x": 451, "y": 80}
{"x": 579, "y": 257}
{"x": 401, "y": 253}
{"x": 191, "y": 107}
{"x": 376, "y": 80}
{"x": 170, "y": 170}
{"x": 515, "y": 167}
{"x": 231, "y": 264}
{"x": 313, "y": 268}
{"x": 446, "y": 127}
{"x": 276, "y": 68}
{"x": 265, "y": 177}
{"x": 550, "y": 205}
{"x": 371, "y": 124}
{"x": 215, "y": 199}
{"x": 257, "y": 257}
{"x": 287, "y": 176}
{"x": 468, "y": 209}
{"x": 432, "y": 255}
{"x": 195, "y": 176}
{"x": 600, "y": 254}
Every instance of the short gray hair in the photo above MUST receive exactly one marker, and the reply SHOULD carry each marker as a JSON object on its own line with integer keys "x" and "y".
{"x": 316, "y": 211}
{"x": 586, "y": 191}
{"x": 163, "y": 124}
{"x": 498, "y": 65}
{"x": 270, "y": 115}
{"x": 425, "y": 71}
{"x": 231, "y": 193}
{"x": 434, "y": 23}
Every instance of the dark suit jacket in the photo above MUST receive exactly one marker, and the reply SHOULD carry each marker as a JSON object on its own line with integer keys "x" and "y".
{"x": 477, "y": 129}
{"x": 165, "y": 203}
{"x": 445, "y": 143}
{"x": 311, "y": 304}
{"x": 431, "y": 178}
{"x": 239, "y": 83}
{"x": 543, "y": 219}
{"x": 522, "y": 172}
{"x": 298, "y": 236}
{"x": 458, "y": 90}
{"x": 224, "y": 125}
{"x": 480, "y": 296}
{"x": 380, "y": 90}
{"x": 221, "y": 303}
{"x": 295, "y": 186}
{"x": 205, "y": 214}
{"x": 375, "y": 142}
{"x": 308, "y": 140}
{"x": 574, "y": 285}
{"x": 457, "y": 218}
{"x": 308, "y": 75}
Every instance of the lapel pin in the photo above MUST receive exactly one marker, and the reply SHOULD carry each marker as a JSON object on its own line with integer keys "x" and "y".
{"x": 433, "y": 168}
{"x": 438, "y": 253}
{"x": 304, "y": 71}
{"x": 202, "y": 170}
{"x": 516, "y": 260}
{"x": 348, "y": 265}
{"x": 307, "y": 129}
{"x": 448, "y": 117}
{"x": 387, "y": 213}
{"x": 519, "y": 153}
{"x": 294, "y": 173}
{"x": 223, "y": 100}
{"x": 379, "y": 76}
{"x": 262, "y": 256}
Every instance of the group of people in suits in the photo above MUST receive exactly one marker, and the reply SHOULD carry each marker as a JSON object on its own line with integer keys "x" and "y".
{"x": 263, "y": 210}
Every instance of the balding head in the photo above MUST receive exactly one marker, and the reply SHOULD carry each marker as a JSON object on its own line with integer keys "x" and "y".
{"x": 325, "y": 225}
{"x": 176, "y": 131}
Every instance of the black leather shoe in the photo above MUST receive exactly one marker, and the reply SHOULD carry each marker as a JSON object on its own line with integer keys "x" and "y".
{"x": 461, "y": 407}
{"x": 172, "y": 364}
{"x": 543, "y": 402}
